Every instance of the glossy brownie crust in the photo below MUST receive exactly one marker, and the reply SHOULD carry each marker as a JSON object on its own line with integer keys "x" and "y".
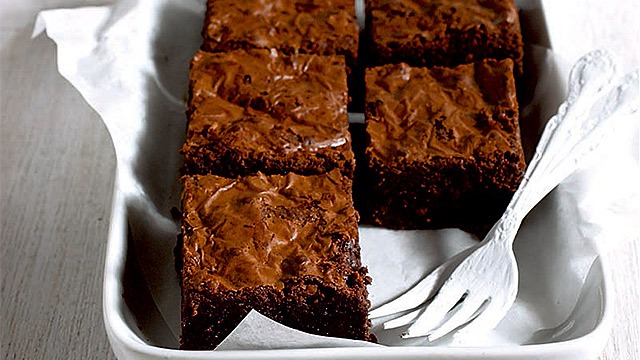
{"x": 322, "y": 27}
{"x": 259, "y": 110}
{"x": 442, "y": 32}
{"x": 444, "y": 145}
{"x": 286, "y": 246}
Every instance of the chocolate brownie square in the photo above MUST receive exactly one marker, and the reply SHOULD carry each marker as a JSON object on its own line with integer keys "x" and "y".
{"x": 286, "y": 246}
{"x": 322, "y": 27}
{"x": 444, "y": 145}
{"x": 442, "y": 32}
{"x": 260, "y": 110}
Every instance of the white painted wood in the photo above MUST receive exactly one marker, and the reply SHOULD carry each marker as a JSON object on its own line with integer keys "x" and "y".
{"x": 56, "y": 177}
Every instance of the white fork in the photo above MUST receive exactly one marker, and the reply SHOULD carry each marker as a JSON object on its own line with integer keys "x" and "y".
{"x": 476, "y": 287}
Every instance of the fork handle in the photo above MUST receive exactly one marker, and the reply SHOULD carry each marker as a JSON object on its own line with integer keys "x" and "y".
{"x": 592, "y": 107}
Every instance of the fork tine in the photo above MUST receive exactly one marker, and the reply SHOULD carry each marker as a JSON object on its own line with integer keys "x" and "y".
{"x": 423, "y": 290}
{"x": 436, "y": 312}
{"x": 402, "y": 320}
{"x": 415, "y": 296}
{"x": 489, "y": 318}
{"x": 467, "y": 310}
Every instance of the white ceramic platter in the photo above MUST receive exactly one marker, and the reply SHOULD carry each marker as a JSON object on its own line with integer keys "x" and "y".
{"x": 563, "y": 310}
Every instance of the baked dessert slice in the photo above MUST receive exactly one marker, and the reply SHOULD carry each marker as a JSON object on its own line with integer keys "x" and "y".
{"x": 260, "y": 110}
{"x": 442, "y": 32}
{"x": 322, "y": 27}
{"x": 444, "y": 145}
{"x": 286, "y": 246}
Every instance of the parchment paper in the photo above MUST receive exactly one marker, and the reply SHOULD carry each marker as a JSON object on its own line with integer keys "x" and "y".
{"x": 129, "y": 60}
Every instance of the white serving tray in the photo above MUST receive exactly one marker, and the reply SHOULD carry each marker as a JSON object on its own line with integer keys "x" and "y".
{"x": 563, "y": 286}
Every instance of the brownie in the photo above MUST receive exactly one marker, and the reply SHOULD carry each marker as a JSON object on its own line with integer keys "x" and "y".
{"x": 323, "y": 27}
{"x": 444, "y": 145}
{"x": 442, "y": 32}
{"x": 286, "y": 246}
{"x": 260, "y": 110}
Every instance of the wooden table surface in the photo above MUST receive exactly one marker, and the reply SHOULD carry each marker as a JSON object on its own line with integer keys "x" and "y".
{"x": 57, "y": 174}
